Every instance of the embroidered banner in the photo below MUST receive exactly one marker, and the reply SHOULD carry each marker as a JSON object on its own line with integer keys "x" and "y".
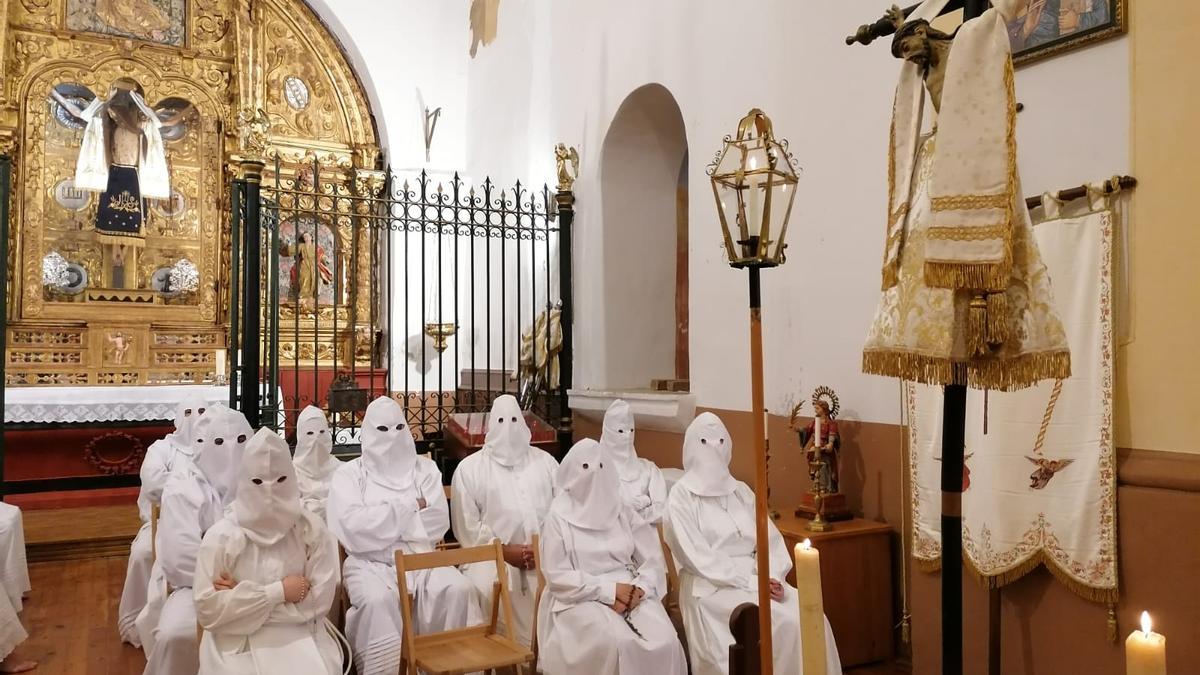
{"x": 1040, "y": 486}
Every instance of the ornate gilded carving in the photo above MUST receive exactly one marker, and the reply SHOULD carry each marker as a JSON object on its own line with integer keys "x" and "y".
{"x": 235, "y": 51}
{"x": 566, "y": 173}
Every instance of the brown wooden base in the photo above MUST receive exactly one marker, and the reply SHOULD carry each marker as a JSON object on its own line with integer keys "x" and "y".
{"x": 833, "y": 508}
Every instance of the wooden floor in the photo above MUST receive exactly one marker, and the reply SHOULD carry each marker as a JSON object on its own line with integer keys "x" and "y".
{"x": 71, "y": 613}
{"x": 81, "y": 533}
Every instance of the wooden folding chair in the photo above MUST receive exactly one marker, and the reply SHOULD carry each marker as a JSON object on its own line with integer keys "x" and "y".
{"x": 463, "y": 650}
{"x": 671, "y": 597}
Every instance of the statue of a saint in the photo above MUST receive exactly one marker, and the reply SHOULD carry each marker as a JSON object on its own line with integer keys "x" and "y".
{"x": 822, "y": 447}
{"x": 311, "y": 267}
{"x": 123, "y": 158}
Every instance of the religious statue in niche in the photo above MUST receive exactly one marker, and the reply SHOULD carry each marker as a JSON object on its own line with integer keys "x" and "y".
{"x": 123, "y": 158}
{"x": 309, "y": 274}
{"x": 158, "y": 21}
{"x": 821, "y": 441}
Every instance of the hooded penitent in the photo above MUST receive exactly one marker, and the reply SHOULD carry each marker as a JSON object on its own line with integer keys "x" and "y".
{"x": 589, "y": 491}
{"x": 617, "y": 439}
{"x": 220, "y": 439}
{"x": 314, "y": 444}
{"x": 707, "y": 449}
{"x": 187, "y": 415}
{"x": 268, "y": 496}
{"x": 389, "y": 453}
{"x": 508, "y": 436}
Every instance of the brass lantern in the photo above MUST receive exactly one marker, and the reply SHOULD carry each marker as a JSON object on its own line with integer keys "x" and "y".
{"x": 754, "y": 182}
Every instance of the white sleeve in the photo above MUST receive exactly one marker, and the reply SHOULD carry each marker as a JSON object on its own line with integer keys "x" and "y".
{"x": 466, "y": 514}
{"x": 690, "y": 547}
{"x": 365, "y": 527}
{"x": 155, "y": 472}
{"x": 652, "y": 566}
{"x": 569, "y": 584}
{"x": 436, "y": 514}
{"x": 657, "y": 492}
{"x": 239, "y": 611}
{"x": 781, "y": 557}
{"x": 322, "y": 569}
{"x": 179, "y": 530}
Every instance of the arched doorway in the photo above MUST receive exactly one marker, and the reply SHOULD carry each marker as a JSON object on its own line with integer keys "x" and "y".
{"x": 644, "y": 196}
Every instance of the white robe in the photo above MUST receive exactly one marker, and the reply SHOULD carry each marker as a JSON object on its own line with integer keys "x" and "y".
{"x": 251, "y": 629}
{"x": 12, "y": 633}
{"x": 492, "y": 501}
{"x": 644, "y": 490}
{"x": 14, "y": 571}
{"x": 713, "y": 541}
{"x": 577, "y": 630}
{"x": 161, "y": 457}
{"x": 167, "y": 624}
{"x": 372, "y": 523}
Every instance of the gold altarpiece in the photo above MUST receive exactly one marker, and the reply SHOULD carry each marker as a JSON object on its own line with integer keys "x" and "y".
{"x": 258, "y": 80}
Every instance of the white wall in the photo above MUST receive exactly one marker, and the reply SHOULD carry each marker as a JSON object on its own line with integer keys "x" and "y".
{"x": 558, "y": 71}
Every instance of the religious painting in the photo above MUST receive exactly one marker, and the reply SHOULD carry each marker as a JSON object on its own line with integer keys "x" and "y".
{"x": 306, "y": 250}
{"x": 1048, "y": 27}
{"x": 158, "y": 21}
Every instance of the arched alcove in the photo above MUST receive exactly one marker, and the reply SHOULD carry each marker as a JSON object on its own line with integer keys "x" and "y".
{"x": 643, "y": 178}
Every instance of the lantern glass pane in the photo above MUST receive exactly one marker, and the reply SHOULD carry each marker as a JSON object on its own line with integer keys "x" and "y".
{"x": 730, "y": 205}
{"x": 783, "y": 195}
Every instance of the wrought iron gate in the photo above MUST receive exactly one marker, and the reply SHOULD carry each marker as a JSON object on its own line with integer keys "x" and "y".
{"x": 443, "y": 294}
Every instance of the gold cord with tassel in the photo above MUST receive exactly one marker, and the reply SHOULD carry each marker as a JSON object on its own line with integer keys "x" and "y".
{"x": 1112, "y": 623}
{"x": 905, "y": 476}
{"x": 977, "y": 326}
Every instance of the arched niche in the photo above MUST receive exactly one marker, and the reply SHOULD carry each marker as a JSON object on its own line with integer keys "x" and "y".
{"x": 643, "y": 178}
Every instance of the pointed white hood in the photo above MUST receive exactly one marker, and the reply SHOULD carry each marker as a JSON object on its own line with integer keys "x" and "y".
{"x": 617, "y": 439}
{"x": 508, "y": 436}
{"x": 187, "y": 414}
{"x": 268, "y": 497}
{"x": 314, "y": 444}
{"x": 389, "y": 453}
{"x": 589, "y": 490}
{"x": 220, "y": 439}
{"x": 707, "y": 449}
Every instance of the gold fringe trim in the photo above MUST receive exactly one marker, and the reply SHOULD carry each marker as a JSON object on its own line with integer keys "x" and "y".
{"x": 975, "y": 276}
{"x": 131, "y": 240}
{"x": 997, "y": 318}
{"x": 1039, "y": 559}
{"x": 977, "y": 327}
{"x": 996, "y": 373}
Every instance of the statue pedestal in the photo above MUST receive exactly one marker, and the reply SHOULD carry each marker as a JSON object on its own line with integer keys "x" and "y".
{"x": 834, "y": 507}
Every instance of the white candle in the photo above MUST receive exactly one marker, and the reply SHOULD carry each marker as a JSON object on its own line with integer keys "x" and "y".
{"x": 754, "y": 206}
{"x": 812, "y": 609}
{"x": 220, "y": 370}
{"x": 817, "y": 432}
{"x": 1145, "y": 651}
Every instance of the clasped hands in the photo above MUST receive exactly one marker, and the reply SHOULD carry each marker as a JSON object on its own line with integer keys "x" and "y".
{"x": 519, "y": 556}
{"x": 628, "y": 597}
{"x": 295, "y": 587}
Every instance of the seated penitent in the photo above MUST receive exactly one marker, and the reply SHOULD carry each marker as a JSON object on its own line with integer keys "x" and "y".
{"x": 162, "y": 456}
{"x": 503, "y": 492}
{"x": 390, "y": 500}
{"x": 266, "y": 576}
{"x": 602, "y": 611}
{"x": 12, "y": 633}
{"x": 710, "y": 528}
{"x": 14, "y": 571}
{"x": 194, "y": 499}
{"x": 642, "y": 486}
{"x": 313, "y": 461}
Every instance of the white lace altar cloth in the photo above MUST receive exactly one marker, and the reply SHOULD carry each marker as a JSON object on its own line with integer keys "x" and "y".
{"x": 129, "y": 403}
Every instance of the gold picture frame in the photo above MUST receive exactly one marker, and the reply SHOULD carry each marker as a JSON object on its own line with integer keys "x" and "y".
{"x": 1048, "y": 28}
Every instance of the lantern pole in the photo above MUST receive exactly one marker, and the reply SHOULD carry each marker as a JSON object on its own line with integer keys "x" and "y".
{"x": 763, "y": 548}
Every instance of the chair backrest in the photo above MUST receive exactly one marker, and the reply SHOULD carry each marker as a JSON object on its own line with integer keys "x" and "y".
{"x": 537, "y": 596}
{"x": 154, "y": 513}
{"x": 452, "y": 558}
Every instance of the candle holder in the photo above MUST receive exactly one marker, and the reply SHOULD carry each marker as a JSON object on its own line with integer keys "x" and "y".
{"x": 440, "y": 332}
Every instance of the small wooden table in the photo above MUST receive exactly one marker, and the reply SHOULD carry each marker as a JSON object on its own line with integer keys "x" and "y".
{"x": 856, "y": 584}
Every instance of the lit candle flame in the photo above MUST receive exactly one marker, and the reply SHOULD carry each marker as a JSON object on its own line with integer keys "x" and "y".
{"x": 806, "y": 545}
{"x": 1146, "y": 623}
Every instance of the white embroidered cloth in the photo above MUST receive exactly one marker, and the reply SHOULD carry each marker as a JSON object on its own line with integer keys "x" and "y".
{"x": 103, "y": 404}
{"x": 1026, "y": 506}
